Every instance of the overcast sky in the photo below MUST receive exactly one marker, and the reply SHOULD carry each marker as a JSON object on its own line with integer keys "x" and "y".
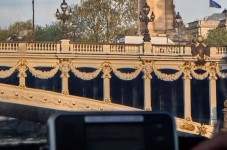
{"x": 21, "y": 10}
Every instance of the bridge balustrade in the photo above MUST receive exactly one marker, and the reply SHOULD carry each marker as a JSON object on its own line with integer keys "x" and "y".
{"x": 9, "y": 46}
{"x": 42, "y": 47}
{"x": 102, "y": 48}
{"x": 86, "y": 48}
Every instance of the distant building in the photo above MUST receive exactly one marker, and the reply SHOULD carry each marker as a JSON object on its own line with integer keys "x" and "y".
{"x": 208, "y": 23}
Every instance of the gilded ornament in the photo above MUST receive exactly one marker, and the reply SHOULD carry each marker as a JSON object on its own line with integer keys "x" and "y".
{"x": 188, "y": 119}
{"x": 65, "y": 92}
{"x": 148, "y": 109}
{"x": 147, "y": 69}
{"x": 187, "y": 70}
{"x": 187, "y": 126}
{"x": 106, "y": 69}
{"x": 213, "y": 69}
{"x": 22, "y": 86}
{"x": 107, "y": 100}
{"x": 202, "y": 130}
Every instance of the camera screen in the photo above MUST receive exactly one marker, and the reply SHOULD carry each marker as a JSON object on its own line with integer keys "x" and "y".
{"x": 117, "y": 136}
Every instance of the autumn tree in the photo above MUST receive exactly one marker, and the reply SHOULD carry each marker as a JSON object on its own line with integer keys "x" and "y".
{"x": 22, "y": 29}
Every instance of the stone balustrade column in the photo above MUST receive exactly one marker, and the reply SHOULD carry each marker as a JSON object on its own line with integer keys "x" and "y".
{"x": 187, "y": 91}
{"x": 22, "y": 68}
{"x": 213, "y": 94}
{"x": 147, "y": 86}
{"x": 106, "y": 82}
{"x": 65, "y": 68}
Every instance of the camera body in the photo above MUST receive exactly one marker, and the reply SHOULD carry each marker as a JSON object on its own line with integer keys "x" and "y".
{"x": 128, "y": 130}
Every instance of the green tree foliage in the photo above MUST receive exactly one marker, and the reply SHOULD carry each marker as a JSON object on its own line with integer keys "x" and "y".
{"x": 3, "y": 34}
{"x": 48, "y": 33}
{"x": 217, "y": 36}
{"x": 104, "y": 20}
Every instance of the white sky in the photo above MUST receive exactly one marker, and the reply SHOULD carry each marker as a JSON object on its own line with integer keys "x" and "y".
{"x": 21, "y": 10}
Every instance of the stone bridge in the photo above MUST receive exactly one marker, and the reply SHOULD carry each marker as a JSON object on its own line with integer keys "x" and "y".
{"x": 45, "y": 60}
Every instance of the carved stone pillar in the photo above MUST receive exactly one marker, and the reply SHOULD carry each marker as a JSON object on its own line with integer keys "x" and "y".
{"x": 213, "y": 94}
{"x": 187, "y": 91}
{"x": 65, "y": 68}
{"x": 147, "y": 86}
{"x": 106, "y": 82}
{"x": 22, "y": 68}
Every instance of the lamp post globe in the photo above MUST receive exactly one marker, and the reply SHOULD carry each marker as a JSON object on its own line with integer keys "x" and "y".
{"x": 64, "y": 6}
{"x": 146, "y": 9}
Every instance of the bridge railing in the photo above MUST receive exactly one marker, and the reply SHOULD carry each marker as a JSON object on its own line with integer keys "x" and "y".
{"x": 104, "y": 48}
{"x": 9, "y": 46}
{"x": 171, "y": 50}
{"x": 218, "y": 51}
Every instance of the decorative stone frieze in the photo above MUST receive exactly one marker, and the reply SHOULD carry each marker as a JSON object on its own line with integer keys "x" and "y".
{"x": 22, "y": 68}
{"x": 65, "y": 68}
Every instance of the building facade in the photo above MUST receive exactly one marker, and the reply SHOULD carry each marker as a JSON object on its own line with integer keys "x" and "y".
{"x": 202, "y": 27}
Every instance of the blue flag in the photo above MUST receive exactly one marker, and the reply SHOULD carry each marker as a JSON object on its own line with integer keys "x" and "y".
{"x": 214, "y": 4}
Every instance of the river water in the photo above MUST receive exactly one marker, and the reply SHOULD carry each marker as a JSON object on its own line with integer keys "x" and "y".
{"x": 16, "y": 132}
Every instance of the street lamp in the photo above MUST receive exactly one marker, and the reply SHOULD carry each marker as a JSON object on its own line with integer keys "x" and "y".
{"x": 64, "y": 16}
{"x": 146, "y": 20}
{"x": 179, "y": 21}
{"x": 74, "y": 27}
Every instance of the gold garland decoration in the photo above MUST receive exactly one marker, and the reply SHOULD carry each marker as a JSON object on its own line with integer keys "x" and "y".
{"x": 199, "y": 76}
{"x": 221, "y": 74}
{"x": 85, "y": 75}
{"x": 127, "y": 76}
{"x": 7, "y": 73}
{"x": 43, "y": 74}
{"x": 167, "y": 77}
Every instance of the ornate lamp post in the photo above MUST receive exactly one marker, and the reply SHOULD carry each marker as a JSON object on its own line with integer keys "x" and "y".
{"x": 146, "y": 20}
{"x": 64, "y": 16}
{"x": 179, "y": 21}
{"x": 74, "y": 27}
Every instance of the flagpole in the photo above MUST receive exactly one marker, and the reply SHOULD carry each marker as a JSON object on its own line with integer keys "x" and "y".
{"x": 33, "y": 21}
